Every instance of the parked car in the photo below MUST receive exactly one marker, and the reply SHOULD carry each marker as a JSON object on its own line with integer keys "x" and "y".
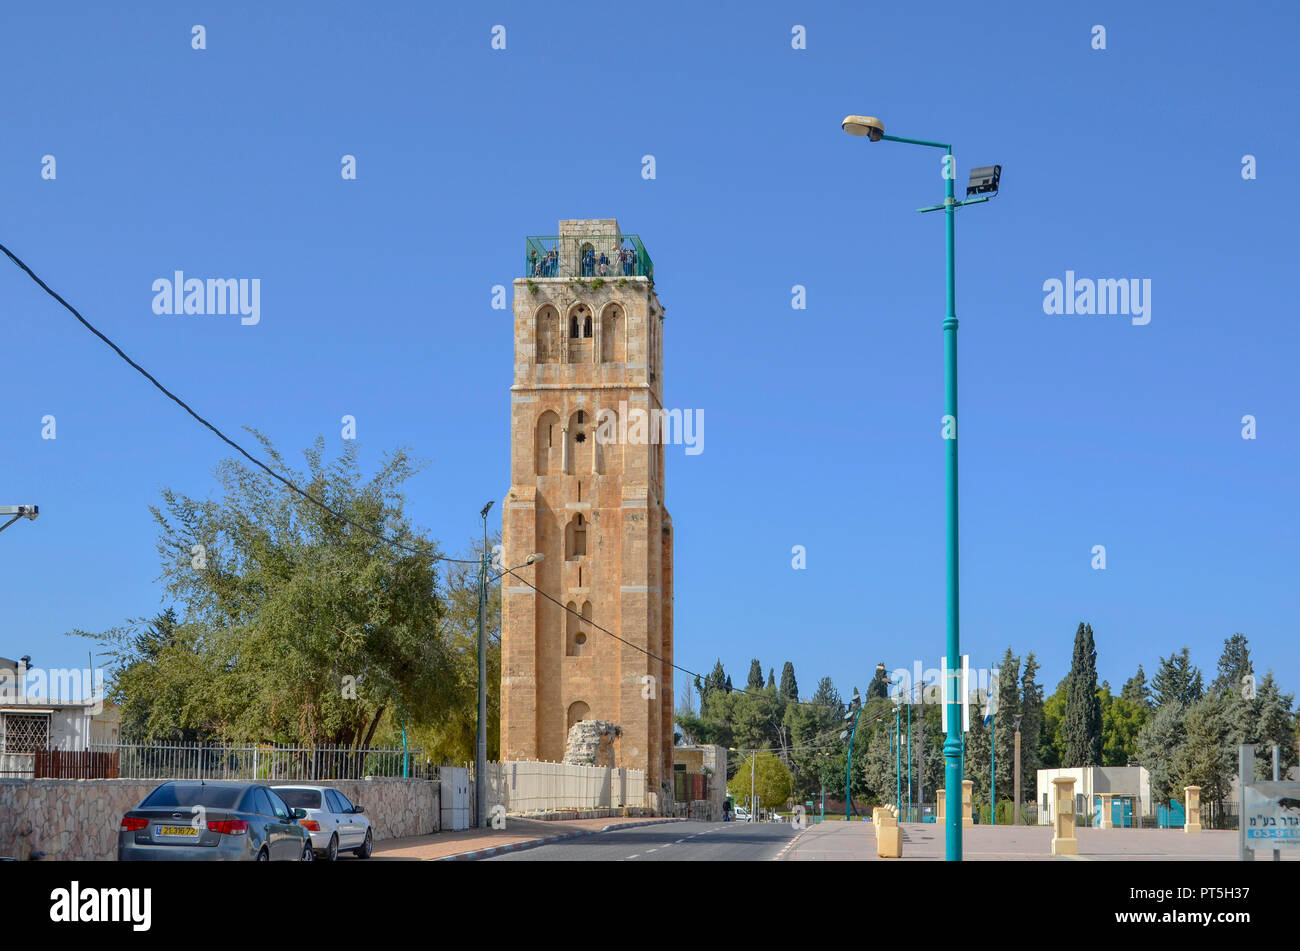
{"x": 192, "y": 820}
{"x": 741, "y": 814}
{"x": 335, "y": 824}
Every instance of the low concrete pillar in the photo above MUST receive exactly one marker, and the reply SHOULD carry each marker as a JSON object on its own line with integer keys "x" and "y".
{"x": 889, "y": 836}
{"x": 889, "y": 842}
{"x": 967, "y": 786}
{"x": 1193, "y": 823}
{"x": 939, "y": 804}
{"x": 1106, "y": 800}
{"x": 1064, "y": 841}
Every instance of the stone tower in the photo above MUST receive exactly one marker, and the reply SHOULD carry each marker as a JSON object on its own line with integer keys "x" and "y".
{"x": 588, "y": 353}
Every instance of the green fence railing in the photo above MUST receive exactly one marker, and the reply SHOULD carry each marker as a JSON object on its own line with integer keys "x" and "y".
{"x": 582, "y": 256}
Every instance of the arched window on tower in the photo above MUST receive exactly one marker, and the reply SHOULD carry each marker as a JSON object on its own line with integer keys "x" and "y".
{"x": 580, "y": 444}
{"x": 573, "y": 326}
{"x": 549, "y": 445}
{"x": 613, "y": 337}
{"x": 548, "y": 335}
{"x": 575, "y": 538}
{"x": 578, "y": 711}
{"x": 586, "y": 326}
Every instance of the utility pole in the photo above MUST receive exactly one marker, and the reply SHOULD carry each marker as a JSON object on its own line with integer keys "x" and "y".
{"x": 1277, "y": 774}
{"x": 480, "y": 744}
{"x": 753, "y": 759}
{"x": 1016, "y": 819}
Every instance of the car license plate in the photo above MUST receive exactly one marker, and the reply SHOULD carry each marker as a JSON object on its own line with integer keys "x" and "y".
{"x": 176, "y": 832}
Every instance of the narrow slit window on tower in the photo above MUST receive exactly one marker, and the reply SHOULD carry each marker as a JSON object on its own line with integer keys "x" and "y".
{"x": 575, "y": 539}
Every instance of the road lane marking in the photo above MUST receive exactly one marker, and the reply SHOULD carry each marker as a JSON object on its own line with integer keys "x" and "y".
{"x": 637, "y": 856}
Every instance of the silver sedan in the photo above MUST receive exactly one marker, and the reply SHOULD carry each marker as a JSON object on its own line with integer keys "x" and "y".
{"x": 192, "y": 820}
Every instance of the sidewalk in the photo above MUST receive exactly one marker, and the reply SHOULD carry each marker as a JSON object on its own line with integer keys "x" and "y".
{"x": 856, "y": 841}
{"x": 482, "y": 843}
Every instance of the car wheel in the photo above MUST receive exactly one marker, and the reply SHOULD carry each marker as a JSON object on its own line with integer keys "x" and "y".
{"x": 366, "y": 847}
{"x": 332, "y": 851}
{"x": 263, "y": 855}
{"x": 308, "y": 854}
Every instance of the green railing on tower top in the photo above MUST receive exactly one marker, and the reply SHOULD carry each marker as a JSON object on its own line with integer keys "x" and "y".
{"x": 582, "y": 256}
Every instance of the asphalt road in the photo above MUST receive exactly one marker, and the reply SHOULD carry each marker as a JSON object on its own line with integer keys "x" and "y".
{"x": 669, "y": 842}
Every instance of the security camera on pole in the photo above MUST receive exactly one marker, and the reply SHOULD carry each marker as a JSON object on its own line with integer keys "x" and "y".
{"x": 18, "y": 511}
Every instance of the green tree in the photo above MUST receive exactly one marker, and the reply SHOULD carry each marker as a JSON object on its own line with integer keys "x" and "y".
{"x": 1031, "y": 727}
{"x": 771, "y": 780}
{"x": 789, "y": 686}
{"x": 1136, "y": 689}
{"x": 1004, "y": 724}
{"x": 1204, "y": 758}
{"x": 1158, "y": 744}
{"x": 1051, "y": 748}
{"x": 1081, "y": 728}
{"x": 449, "y": 733}
{"x": 1177, "y": 680}
{"x": 879, "y": 686}
{"x": 295, "y": 626}
{"x": 716, "y": 680}
{"x": 1121, "y": 722}
{"x": 1234, "y": 666}
{"x": 1275, "y": 725}
{"x": 755, "y": 675}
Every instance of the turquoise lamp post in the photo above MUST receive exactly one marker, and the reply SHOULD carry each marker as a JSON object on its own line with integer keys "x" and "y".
{"x": 853, "y": 713}
{"x": 874, "y": 130}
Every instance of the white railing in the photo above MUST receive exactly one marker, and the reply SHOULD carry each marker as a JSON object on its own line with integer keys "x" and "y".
{"x": 262, "y": 762}
{"x": 523, "y": 786}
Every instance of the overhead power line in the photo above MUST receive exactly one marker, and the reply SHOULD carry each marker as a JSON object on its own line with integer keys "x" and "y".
{"x": 220, "y": 435}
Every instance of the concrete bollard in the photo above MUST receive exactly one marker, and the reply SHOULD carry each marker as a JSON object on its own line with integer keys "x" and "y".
{"x": 1193, "y": 820}
{"x": 889, "y": 837}
{"x": 1064, "y": 841}
{"x": 967, "y": 819}
{"x": 1106, "y": 800}
{"x": 939, "y": 804}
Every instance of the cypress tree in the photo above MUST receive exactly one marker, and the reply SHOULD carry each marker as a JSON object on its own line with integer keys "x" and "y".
{"x": 1081, "y": 729}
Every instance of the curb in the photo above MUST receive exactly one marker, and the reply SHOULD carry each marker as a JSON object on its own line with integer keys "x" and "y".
{"x": 546, "y": 840}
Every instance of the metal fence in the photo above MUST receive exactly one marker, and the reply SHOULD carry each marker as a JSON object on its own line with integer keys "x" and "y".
{"x": 608, "y": 256}
{"x": 263, "y": 762}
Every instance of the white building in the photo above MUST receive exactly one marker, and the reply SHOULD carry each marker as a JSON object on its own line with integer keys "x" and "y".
{"x": 1131, "y": 783}
{"x": 33, "y": 723}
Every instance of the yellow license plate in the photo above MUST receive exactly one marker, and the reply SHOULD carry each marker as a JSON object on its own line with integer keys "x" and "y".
{"x": 178, "y": 831}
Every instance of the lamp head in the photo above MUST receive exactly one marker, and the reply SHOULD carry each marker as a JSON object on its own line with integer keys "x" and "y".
{"x": 534, "y": 558}
{"x": 869, "y": 126}
{"x": 984, "y": 179}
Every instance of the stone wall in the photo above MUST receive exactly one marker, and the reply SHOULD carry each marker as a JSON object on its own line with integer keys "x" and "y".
{"x": 78, "y": 819}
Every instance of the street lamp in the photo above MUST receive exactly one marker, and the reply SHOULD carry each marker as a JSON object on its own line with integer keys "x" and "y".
{"x": 874, "y": 130}
{"x": 854, "y": 711}
{"x": 480, "y": 746}
{"x": 18, "y": 511}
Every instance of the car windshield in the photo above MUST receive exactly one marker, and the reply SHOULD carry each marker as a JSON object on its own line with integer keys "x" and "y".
{"x": 193, "y": 794}
{"x": 299, "y": 798}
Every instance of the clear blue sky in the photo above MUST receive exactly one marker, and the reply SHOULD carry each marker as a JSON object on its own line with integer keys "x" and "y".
{"x": 822, "y": 425}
